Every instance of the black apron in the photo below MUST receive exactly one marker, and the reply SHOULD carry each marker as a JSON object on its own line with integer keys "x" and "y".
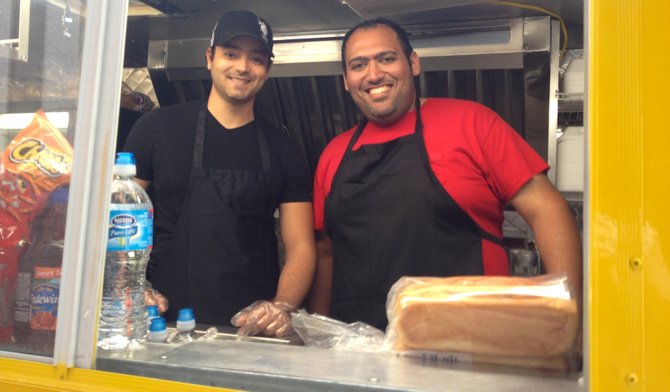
{"x": 388, "y": 216}
{"x": 224, "y": 253}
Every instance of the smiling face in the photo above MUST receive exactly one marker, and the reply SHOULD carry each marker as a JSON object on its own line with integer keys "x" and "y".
{"x": 239, "y": 70}
{"x": 378, "y": 75}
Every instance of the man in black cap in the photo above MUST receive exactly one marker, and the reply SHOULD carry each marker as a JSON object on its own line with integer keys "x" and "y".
{"x": 216, "y": 175}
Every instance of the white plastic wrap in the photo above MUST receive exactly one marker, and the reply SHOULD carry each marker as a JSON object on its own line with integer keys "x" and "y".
{"x": 316, "y": 330}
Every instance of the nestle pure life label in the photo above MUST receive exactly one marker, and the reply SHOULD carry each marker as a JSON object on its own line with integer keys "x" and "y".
{"x": 130, "y": 230}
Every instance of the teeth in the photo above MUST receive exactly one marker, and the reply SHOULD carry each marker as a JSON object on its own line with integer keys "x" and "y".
{"x": 378, "y": 90}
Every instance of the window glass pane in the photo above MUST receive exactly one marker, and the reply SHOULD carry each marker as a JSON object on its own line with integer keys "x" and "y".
{"x": 40, "y": 56}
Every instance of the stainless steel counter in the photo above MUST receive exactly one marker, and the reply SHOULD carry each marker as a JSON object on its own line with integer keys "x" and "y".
{"x": 282, "y": 365}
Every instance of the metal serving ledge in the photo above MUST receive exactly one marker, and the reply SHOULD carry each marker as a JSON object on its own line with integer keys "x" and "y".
{"x": 266, "y": 364}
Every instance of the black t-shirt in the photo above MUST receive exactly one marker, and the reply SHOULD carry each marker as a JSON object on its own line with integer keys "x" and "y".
{"x": 163, "y": 141}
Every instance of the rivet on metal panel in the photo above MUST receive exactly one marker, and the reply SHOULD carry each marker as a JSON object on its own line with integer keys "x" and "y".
{"x": 631, "y": 378}
{"x": 635, "y": 263}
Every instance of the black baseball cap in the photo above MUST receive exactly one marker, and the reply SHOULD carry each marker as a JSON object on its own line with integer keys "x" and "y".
{"x": 242, "y": 23}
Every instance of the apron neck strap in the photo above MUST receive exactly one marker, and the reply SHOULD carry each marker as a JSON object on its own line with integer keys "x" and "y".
{"x": 199, "y": 148}
{"x": 418, "y": 127}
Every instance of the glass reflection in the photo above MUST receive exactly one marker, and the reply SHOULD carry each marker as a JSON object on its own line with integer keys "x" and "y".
{"x": 40, "y": 55}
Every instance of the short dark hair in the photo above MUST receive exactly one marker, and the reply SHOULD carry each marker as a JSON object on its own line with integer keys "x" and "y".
{"x": 370, "y": 23}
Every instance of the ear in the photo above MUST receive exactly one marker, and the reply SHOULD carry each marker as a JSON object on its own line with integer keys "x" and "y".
{"x": 415, "y": 63}
{"x": 344, "y": 79}
{"x": 209, "y": 56}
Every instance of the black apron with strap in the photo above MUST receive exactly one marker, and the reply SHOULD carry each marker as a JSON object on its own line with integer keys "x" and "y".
{"x": 224, "y": 253}
{"x": 388, "y": 216}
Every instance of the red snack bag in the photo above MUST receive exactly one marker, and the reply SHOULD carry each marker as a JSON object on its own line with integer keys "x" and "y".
{"x": 13, "y": 241}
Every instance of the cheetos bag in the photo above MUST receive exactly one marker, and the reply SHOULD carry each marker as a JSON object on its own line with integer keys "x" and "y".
{"x": 36, "y": 161}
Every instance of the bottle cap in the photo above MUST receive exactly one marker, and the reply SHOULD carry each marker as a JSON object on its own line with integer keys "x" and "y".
{"x": 185, "y": 320}
{"x": 125, "y": 158}
{"x": 125, "y": 164}
{"x": 152, "y": 311}
{"x": 157, "y": 324}
{"x": 185, "y": 314}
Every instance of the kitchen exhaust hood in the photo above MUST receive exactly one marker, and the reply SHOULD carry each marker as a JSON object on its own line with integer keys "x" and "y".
{"x": 472, "y": 45}
{"x": 372, "y": 8}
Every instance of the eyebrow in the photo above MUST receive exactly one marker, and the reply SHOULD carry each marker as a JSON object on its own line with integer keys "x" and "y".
{"x": 377, "y": 56}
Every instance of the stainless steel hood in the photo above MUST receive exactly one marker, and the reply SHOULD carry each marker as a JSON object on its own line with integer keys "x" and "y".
{"x": 193, "y": 19}
{"x": 475, "y": 45}
{"x": 367, "y": 8}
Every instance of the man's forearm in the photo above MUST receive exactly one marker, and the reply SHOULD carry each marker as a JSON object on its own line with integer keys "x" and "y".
{"x": 296, "y": 278}
{"x": 320, "y": 295}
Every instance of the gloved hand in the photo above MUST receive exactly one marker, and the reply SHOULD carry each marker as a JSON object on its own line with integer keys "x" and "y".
{"x": 153, "y": 297}
{"x": 270, "y": 318}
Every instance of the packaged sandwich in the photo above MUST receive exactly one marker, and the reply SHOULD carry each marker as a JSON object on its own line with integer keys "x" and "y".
{"x": 507, "y": 320}
{"x": 36, "y": 161}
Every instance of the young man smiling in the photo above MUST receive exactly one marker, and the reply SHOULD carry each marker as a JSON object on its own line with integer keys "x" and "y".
{"x": 419, "y": 187}
{"x": 216, "y": 175}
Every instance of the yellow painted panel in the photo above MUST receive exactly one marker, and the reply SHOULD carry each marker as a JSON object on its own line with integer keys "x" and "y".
{"x": 629, "y": 219}
{"x": 615, "y": 200}
{"x": 17, "y": 375}
{"x": 656, "y": 162}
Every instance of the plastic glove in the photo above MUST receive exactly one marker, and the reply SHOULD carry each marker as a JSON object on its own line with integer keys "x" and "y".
{"x": 153, "y": 297}
{"x": 270, "y": 318}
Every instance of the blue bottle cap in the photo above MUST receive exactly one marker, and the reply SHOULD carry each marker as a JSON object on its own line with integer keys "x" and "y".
{"x": 157, "y": 324}
{"x": 125, "y": 158}
{"x": 152, "y": 311}
{"x": 185, "y": 314}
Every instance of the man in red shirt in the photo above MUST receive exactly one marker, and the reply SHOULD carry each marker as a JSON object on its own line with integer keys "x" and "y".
{"x": 419, "y": 187}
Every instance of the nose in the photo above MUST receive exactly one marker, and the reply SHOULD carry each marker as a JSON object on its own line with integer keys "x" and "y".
{"x": 375, "y": 72}
{"x": 242, "y": 64}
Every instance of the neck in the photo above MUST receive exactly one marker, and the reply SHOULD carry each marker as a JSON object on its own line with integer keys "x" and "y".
{"x": 230, "y": 115}
{"x": 392, "y": 123}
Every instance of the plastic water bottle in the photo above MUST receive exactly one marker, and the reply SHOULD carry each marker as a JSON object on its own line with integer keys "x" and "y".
{"x": 123, "y": 319}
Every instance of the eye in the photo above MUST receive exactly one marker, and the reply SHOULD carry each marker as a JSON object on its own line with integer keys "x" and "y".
{"x": 387, "y": 59}
{"x": 357, "y": 66}
{"x": 260, "y": 60}
{"x": 229, "y": 54}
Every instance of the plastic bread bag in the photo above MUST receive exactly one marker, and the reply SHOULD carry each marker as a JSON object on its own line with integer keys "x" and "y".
{"x": 517, "y": 321}
{"x": 320, "y": 331}
{"x": 36, "y": 161}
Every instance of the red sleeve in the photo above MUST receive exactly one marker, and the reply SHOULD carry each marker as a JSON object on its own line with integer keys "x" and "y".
{"x": 511, "y": 160}
{"x": 481, "y": 161}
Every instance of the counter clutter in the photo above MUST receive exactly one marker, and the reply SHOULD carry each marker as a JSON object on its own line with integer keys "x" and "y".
{"x": 444, "y": 334}
{"x": 262, "y": 364}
